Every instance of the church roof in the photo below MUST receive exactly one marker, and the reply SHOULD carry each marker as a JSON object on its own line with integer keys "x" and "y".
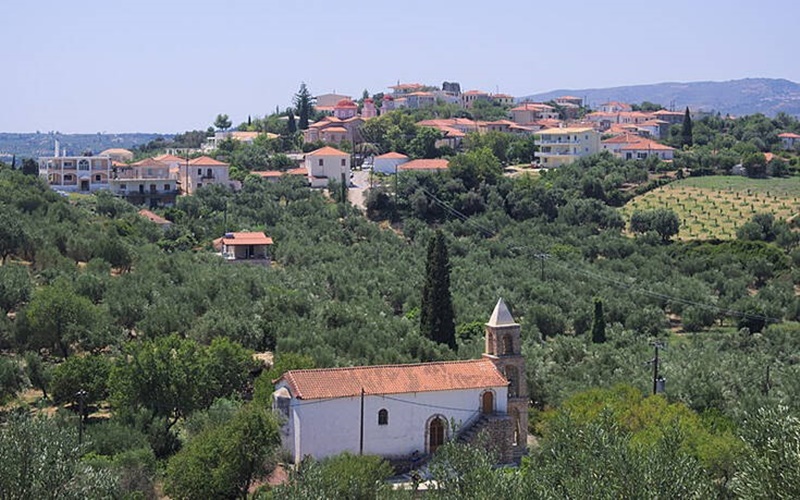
{"x": 501, "y": 316}
{"x": 328, "y": 383}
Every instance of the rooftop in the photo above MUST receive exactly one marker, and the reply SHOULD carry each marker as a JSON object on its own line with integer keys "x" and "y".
{"x": 327, "y": 151}
{"x": 257, "y": 238}
{"x": 434, "y": 164}
{"x": 393, "y": 379}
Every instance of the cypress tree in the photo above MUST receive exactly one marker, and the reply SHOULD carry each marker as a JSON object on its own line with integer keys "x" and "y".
{"x": 304, "y": 102}
{"x": 598, "y": 323}
{"x": 292, "y": 125}
{"x": 437, "y": 319}
{"x": 686, "y": 130}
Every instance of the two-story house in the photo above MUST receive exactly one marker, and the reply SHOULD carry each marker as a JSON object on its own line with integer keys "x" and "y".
{"x": 147, "y": 182}
{"x": 326, "y": 164}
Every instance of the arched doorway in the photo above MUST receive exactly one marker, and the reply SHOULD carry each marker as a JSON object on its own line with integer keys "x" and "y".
{"x": 435, "y": 434}
{"x": 487, "y": 402}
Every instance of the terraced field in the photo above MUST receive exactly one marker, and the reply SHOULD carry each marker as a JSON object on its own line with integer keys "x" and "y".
{"x": 715, "y": 206}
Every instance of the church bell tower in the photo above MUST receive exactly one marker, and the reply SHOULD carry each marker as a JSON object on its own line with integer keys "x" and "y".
{"x": 504, "y": 349}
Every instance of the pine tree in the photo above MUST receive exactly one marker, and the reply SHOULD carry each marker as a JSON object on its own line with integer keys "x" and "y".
{"x": 598, "y": 323}
{"x": 686, "y": 130}
{"x": 291, "y": 124}
{"x": 437, "y": 319}
{"x": 304, "y": 102}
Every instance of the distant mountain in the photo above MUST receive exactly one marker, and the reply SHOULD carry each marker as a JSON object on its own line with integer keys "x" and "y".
{"x": 43, "y": 144}
{"x": 736, "y": 97}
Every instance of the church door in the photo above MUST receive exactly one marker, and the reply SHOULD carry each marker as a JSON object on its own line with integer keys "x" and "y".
{"x": 487, "y": 402}
{"x": 435, "y": 434}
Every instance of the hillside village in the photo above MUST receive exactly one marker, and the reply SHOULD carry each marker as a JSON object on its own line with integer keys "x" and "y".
{"x": 220, "y": 315}
{"x": 563, "y": 130}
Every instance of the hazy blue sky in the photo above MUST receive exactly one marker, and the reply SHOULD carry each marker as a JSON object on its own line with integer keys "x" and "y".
{"x": 169, "y": 65}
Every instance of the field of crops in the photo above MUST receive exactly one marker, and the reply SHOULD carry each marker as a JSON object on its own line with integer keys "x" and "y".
{"x": 714, "y": 206}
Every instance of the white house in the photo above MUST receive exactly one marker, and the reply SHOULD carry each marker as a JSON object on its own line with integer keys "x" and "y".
{"x": 558, "y": 146}
{"x": 403, "y": 411}
{"x": 388, "y": 163}
{"x": 789, "y": 140}
{"x": 253, "y": 247}
{"x": 76, "y": 173}
{"x": 204, "y": 171}
{"x": 634, "y": 147}
{"x": 327, "y": 164}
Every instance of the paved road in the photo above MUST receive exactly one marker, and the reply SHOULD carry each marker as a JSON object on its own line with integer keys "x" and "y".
{"x": 360, "y": 183}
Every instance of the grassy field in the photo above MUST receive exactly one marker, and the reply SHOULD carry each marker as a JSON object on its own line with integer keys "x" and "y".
{"x": 715, "y": 206}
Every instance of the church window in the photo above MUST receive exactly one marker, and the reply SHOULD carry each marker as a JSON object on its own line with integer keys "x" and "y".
{"x": 508, "y": 345}
{"x": 383, "y": 417}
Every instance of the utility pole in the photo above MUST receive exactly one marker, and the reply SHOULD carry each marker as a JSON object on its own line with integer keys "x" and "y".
{"x": 542, "y": 257}
{"x": 658, "y": 381}
{"x": 81, "y": 401}
{"x": 361, "y": 440}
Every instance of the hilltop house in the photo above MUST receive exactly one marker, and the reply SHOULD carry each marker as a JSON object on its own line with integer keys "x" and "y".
{"x": 244, "y": 247}
{"x": 789, "y": 140}
{"x": 404, "y": 411}
{"x": 634, "y": 147}
{"x": 387, "y": 163}
{"x": 148, "y": 182}
{"x": 558, "y": 146}
{"x": 204, "y": 171}
{"x": 326, "y": 164}
{"x": 76, "y": 173}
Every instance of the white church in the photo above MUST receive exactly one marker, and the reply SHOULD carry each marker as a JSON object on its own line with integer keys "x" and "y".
{"x": 405, "y": 411}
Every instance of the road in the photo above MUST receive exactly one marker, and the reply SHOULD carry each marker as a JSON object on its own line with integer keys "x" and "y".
{"x": 356, "y": 191}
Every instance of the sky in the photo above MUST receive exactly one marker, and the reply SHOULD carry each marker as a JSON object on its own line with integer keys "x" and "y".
{"x": 111, "y": 66}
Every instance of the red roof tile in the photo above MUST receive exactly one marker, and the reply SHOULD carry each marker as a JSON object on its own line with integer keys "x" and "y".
{"x": 789, "y": 135}
{"x": 327, "y": 151}
{"x": 435, "y": 164}
{"x": 236, "y": 239}
{"x": 147, "y": 214}
{"x": 205, "y": 160}
{"x": 393, "y": 379}
{"x": 392, "y": 155}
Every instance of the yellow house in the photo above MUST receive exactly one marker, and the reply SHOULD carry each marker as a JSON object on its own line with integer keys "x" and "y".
{"x": 558, "y": 146}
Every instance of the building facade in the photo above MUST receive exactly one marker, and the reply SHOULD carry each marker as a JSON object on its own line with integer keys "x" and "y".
{"x": 76, "y": 173}
{"x": 326, "y": 164}
{"x": 559, "y": 146}
{"x": 148, "y": 182}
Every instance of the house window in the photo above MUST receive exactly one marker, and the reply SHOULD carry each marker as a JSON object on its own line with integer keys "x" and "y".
{"x": 383, "y": 417}
{"x": 166, "y": 187}
{"x": 67, "y": 164}
{"x": 320, "y": 162}
{"x": 344, "y": 162}
{"x": 208, "y": 173}
{"x": 122, "y": 187}
{"x": 83, "y": 165}
{"x": 199, "y": 171}
{"x": 97, "y": 178}
{"x": 68, "y": 177}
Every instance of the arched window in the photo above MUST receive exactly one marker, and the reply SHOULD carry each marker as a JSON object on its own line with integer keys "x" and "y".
{"x": 512, "y": 375}
{"x": 508, "y": 344}
{"x": 383, "y": 417}
{"x": 83, "y": 165}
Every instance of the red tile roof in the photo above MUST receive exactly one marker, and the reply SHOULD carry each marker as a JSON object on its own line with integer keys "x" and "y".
{"x": 205, "y": 160}
{"x": 149, "y": 162}
{"x": 345, "y": 103}
{"x": 236, "y": 239}
{"x": 147, "y": 214}
{"x": 170, "y": 158}
{"x": 393, "y": 379}
{"x": 277, "y": 173}
{"x": 789, "y": 135}
{"x": 334, "y": 129}
{"x": 392, "y": 156}
{"x": 435, "y": 164}
{"x": 327, "y": 151}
